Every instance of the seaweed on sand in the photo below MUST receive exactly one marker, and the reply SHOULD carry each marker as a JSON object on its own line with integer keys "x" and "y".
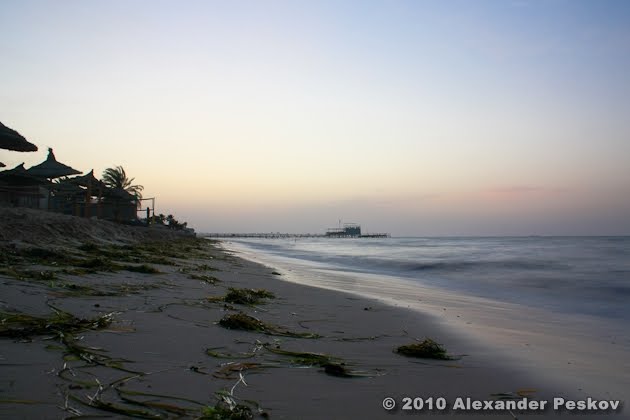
{"x": 332, "y": 365}
{"x": 89, "y": 247}
{"x": 221, "y": 355}
{"x": 66, "y": 288}
{"x": 105, "y": 264}
{"x": 147, "y": 405}
{"x": 242, "y": 321}
{"x": 337, "y": 369}
{"x": 223, "y": 411}
{"x": 227, "y": 408}
{"x": 143, "y": 268}
{"x": 96, "y": 264}
{"x": 302, "y": 357}
{"x": 20, "y": 274}
{"x": 247, "y": 296}
{"x": 92, "y": 355}
{"x": 204, "y": 278}
{"x": 228, "y": 370}
{"x": 197, "y": 268}
{"x": 23, "y": 325}
{"x": 426, "y": 349}
{"x": 15, "y": 255}
{"x": 149, "y": 408}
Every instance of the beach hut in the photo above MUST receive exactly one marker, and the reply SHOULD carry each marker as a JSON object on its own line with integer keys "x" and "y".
{"x": 48, "y": 170}
{"x": 86, "y": 196}
{"x": 51, "y": 168}
{"x": 12, "y": 140}
{"x": 85, "y": 192}
{"x": 18, "y": 188}
{"x": 65, "y": 197}
{"x": 119, "y": 205}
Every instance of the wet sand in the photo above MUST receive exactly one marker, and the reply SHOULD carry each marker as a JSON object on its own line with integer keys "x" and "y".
{"x": 580, "y": 355}
{"x": 152, "y": 361}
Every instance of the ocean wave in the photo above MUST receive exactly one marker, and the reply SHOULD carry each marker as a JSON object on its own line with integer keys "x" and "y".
{"x": 585, "y": 275}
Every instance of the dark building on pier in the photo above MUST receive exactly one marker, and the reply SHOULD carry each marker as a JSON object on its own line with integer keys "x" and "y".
{"x": 349, "y": 230}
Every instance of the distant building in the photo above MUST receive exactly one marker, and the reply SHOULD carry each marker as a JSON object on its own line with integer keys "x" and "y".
{"x": 349, "y": 230}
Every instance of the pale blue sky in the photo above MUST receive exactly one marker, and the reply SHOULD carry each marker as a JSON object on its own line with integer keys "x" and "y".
{"x": 415, "y": 117}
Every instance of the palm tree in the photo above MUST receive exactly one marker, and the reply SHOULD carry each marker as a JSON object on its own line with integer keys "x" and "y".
{"x": 117, "y": 178}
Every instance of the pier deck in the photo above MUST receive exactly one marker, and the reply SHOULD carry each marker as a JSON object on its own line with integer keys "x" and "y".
{"x": 278, "y": 235}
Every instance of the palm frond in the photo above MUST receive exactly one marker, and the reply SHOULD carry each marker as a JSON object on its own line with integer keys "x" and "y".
{"x": 117, "y": 178}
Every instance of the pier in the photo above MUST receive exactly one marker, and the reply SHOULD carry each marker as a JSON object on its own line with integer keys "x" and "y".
{"x": 276, "y": 235}
{"x": 279, "y": 235}
{"x": 349, "y": 230}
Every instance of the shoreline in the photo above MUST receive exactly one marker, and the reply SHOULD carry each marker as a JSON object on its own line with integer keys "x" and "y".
{"x": 533, "y": 340}
{"x": 165, "y": 355}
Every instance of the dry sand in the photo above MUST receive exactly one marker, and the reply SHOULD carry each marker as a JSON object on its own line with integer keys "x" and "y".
{"x": 155, "y": 351}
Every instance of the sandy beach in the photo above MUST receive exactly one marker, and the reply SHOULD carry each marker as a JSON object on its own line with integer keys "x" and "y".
{"x": 102, "y": 320}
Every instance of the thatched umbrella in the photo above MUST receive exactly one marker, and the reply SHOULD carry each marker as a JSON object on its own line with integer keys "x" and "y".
{"x": 88, "y": 180}
{"x": 20, "y": 176}
{"x": 19, "y": 169}
{"x": 12, "y": 140}
{"x": 50, "y": 168}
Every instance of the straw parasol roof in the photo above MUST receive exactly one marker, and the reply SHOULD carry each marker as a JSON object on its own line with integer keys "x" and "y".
{"x": 19, "y": 169}
{"x": 50, "y": 168}
{"x": 20, "y": 176}
{"x": 88, "y": 180}
{"x": 12, "y": 140}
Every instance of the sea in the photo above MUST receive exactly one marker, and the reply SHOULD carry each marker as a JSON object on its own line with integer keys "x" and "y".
{"x": 556, "y": 305}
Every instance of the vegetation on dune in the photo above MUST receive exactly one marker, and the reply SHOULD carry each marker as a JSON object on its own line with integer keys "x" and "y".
{"x": 90, "y": 258}
{"x": 97, "y": 264}
{"x": 11, "y": 255}
{"x": 169, "y": 221}
{"x": 52, "y": 268}
{"x": 27, "y": 274}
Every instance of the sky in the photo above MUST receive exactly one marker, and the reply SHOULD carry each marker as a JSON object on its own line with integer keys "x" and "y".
{"x": 409, "y": 117}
